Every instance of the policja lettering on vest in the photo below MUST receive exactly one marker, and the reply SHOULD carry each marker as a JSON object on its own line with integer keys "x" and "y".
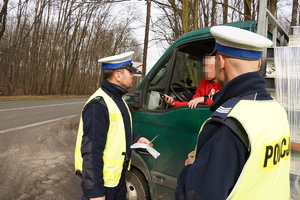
{"x": 275, "y": 151}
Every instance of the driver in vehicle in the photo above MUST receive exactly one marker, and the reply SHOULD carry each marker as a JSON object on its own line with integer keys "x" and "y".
{"x": 206, "y": 89}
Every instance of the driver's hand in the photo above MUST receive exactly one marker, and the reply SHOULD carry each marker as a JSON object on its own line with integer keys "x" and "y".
{"x": 194, "y": 102}
{"x": 169, "y": 100}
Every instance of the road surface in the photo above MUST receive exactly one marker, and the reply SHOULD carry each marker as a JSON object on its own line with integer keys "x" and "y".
{"x": 37, "y": 141}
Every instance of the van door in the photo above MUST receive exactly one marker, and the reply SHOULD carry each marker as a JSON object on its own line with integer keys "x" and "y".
{"x": 177, "y": 75}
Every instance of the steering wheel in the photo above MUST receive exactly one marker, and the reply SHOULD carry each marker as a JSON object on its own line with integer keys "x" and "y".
{"x": 181, "y": 96}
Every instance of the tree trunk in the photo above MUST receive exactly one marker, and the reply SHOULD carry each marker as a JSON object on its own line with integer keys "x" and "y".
{"x": 3, "y": 14}
{"x": 185, "y": 16}
{"x": 294, "y": 13}
{"x": 247, "y": 10}
{"x": 213, "y": 20}
{"x": 195, "y": 14}
{"x": 225, "y": 11}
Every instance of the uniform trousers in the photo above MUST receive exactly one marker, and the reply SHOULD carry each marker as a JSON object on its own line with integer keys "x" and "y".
{"x": 114, "y": 193}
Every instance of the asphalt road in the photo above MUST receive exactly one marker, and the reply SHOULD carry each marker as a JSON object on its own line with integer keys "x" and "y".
{"x": 37, "y": 141}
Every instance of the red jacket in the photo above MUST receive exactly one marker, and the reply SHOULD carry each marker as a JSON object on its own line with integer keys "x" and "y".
{"x": 205, "y": 88}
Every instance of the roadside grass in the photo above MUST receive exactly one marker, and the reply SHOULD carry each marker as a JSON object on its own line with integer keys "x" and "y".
{"x": 39, "y": 97}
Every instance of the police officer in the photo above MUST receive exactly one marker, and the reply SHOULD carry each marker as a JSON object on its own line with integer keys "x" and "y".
{"x": 243, "y": 150}
{"x": 102, "y": 151}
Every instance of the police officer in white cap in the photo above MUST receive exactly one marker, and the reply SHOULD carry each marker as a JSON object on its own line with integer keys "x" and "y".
{"x": 243, "y": 150}
{"x": 102, "y": 153}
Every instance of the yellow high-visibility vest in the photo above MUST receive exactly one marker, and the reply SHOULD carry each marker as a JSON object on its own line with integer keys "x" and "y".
{"x": 265, "y": 174}
{"x": 113, "y": 156}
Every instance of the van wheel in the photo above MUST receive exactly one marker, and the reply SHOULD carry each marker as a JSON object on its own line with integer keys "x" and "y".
{"x": 137, "y": 185}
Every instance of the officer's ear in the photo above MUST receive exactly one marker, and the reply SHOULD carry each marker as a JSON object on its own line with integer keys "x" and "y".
{"x": 259, "y": 64}
{"x": 220, "y": 62}
{"x": 118, "y": 74}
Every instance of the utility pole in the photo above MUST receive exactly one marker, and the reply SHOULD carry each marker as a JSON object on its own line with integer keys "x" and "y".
{"x": 146, "y": 38}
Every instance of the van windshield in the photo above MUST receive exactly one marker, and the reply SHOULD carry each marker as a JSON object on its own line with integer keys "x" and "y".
{"x": 179, "y": 74}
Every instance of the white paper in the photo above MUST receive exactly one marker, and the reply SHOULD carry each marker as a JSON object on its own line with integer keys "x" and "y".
{"x": 151, "y": 150}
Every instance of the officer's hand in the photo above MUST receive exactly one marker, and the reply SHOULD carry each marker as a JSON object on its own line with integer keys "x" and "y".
{"x": 98, "y": 198}
{"x": 145, "y": 140}
{"x": 193, "y": 103}
{"x": 190, "y": 159}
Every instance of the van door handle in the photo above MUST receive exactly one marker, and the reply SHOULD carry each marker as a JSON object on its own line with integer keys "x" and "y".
{"x": 161, "y": 178}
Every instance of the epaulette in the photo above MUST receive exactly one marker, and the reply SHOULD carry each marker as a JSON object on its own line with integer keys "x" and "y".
{"x": 98, "y": 99}
{"x": 221, "y": 116}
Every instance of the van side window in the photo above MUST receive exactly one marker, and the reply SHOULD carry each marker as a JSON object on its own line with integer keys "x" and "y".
{"x": 157, "y": 85}
{"x": 188, "y": 71}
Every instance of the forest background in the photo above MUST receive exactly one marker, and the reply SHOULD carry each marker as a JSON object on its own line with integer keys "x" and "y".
{"x": 51, "y": 47}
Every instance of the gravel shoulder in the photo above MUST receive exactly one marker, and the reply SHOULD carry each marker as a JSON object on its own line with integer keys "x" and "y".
{"x": 37, "y": 163}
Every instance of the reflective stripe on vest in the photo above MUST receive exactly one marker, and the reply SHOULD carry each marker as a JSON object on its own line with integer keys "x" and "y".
{"x": 113, "y": 157}
{"x": 266, "y": 172}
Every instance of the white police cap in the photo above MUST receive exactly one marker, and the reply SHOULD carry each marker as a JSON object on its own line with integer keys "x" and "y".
{"x": 123, "y": 60}
{"x": 237, "y": 42}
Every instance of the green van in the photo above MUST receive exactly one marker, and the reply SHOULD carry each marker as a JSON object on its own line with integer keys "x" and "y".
{"x": 177, "y": 73}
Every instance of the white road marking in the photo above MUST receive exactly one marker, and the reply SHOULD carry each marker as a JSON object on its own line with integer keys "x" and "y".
{"x": 62, "y": 104}
{"x": 35, "y": 124}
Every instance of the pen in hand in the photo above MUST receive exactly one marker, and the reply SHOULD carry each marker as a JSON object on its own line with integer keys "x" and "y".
{"x": 154, "y": 138}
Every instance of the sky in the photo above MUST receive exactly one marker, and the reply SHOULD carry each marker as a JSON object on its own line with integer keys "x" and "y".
{"x": 155, "y": 48}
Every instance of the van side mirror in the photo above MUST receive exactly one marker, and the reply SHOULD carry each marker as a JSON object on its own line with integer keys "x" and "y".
{"x": 135, "y": 99}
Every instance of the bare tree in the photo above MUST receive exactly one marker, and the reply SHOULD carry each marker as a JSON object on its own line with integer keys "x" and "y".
{"x": 3, "y": 14}
{"x": 212, "y": 14}
{"x": 247, "y": 9}
{"x": 182, "y": 16}
{"x": 225, "y": 12}
{"x": 52, "y": 47}
{"x": 272, "y": 6}
{"x": 295, "y": 10}
{"x": 178, "y": 16}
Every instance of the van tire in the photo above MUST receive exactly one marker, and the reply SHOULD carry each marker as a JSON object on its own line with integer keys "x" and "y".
{"x": 137, "y": 185}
